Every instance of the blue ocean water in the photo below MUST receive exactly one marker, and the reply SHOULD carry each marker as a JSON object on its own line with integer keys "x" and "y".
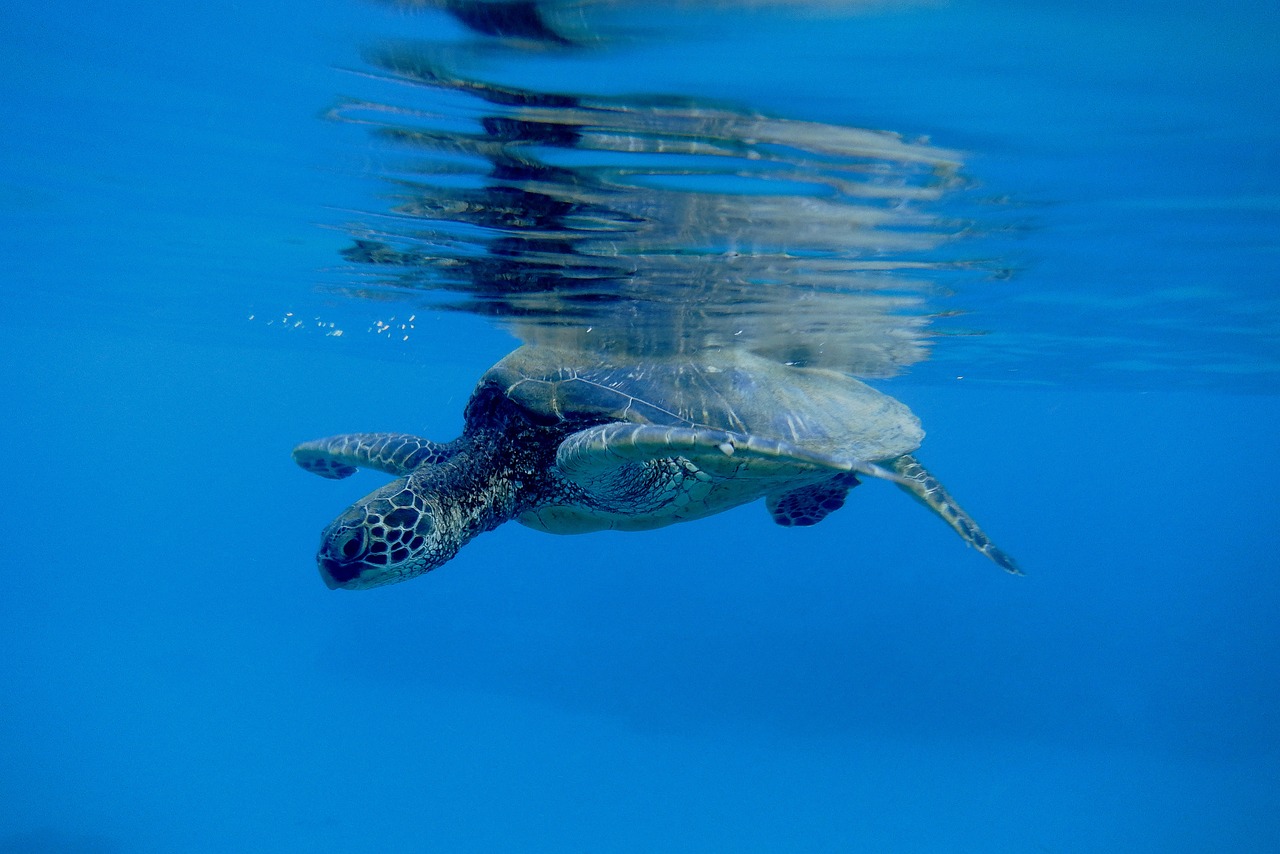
{"x": 176, "y": 678}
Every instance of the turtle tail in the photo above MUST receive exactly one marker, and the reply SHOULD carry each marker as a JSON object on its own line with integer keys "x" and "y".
{"x": 926, "y": 488}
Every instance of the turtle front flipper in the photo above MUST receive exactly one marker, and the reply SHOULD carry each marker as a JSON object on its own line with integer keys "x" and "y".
{"x": 393, "y": 453}
{"x": 590, "y": 453}
{"x": 642, "y": 475}
{"x": 926, "y": 488}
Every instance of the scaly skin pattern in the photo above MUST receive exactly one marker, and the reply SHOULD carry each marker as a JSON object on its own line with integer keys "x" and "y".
{"x": 800, "y": 508}
{"x": 501, "y": 466}
{"x": 418, "y": 522}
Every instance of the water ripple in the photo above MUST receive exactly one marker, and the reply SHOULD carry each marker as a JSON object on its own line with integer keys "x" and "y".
{"x": 651, "y": 224}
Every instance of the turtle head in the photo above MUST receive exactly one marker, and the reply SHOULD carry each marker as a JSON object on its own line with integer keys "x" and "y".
{"x": 390, "y": 535}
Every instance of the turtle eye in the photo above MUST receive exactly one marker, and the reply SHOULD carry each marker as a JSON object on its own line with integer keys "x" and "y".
{"x": 350, "y": 543}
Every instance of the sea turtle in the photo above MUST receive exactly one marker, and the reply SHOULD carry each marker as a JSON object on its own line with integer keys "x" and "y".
{"x": 568, "y": 442}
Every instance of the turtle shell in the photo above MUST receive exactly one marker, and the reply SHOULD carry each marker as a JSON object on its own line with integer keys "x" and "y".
{"x": 820, "y": 410}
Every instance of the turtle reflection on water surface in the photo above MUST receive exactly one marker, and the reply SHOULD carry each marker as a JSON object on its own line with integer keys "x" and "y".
{"x": 570, "y": 443}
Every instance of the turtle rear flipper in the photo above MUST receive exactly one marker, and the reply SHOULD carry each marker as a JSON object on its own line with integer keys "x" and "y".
{"x": 925, "y": 488}
{"x": 393, "y": 453}
{"x": 809, "y": 505}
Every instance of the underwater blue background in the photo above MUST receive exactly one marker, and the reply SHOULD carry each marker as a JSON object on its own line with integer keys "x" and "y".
{"x": 174, "y": 676}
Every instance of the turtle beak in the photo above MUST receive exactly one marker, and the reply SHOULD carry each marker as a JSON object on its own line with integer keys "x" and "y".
{"x": 327, "y": 569}
{"x": 336, "y": 573}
